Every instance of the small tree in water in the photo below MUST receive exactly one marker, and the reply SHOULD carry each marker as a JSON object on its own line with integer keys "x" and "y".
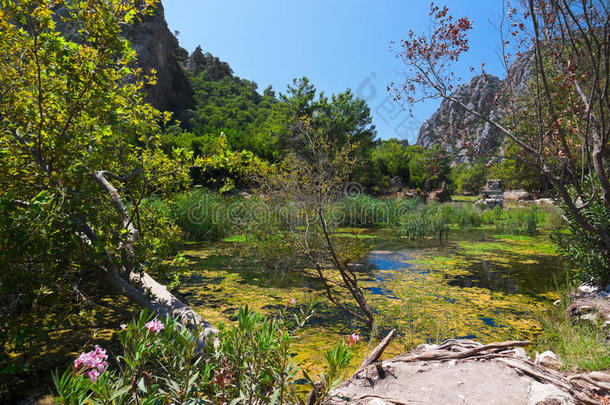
{"x": 296, "y": 234}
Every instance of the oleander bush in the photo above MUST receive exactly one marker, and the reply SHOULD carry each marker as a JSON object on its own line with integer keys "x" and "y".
{"x": 251, "y": 362}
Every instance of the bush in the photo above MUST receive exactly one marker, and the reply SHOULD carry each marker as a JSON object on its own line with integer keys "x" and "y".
{"x": 469, "y": 180}
{"x": 585, "y": 251}
{"x": 468, "y": 216}
{"x": 161, "y": 363}
{"x": 360, "y": 210}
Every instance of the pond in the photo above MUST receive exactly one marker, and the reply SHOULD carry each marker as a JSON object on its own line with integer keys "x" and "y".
{"x": 475, "y": 285}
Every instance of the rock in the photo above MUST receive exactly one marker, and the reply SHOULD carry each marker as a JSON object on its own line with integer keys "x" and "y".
{"x": 585, "y": 308}
{"x": 214, "y": 67}
{"x": 440, "y": 194}
{"x": 557, "y": 303}
{"x": 517, "y": 195}
{"x": 590, "y": 309}
{"x": 424, "y": 347}
{"x": 544, "y": 201}
{"x": 377, "y": 401}
{"x": 492, "y": 194}
{"x": 464, "y": 134}
{"x": 451, "y": 120}
{"x": 521, "y": 353}
{"x": 548, "y": 359}
{"x": 157, "y": 48}
{"x": 435, "y": 376}
{"x": 589, "y": 317}
{"x": 547, "y": 394}
{"x": 585, "y": 290}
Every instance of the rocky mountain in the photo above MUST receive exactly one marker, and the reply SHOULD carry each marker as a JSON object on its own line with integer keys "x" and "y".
{"x": 215, "y": 69}
{"x": 158, "y": 49}
{"x": 463, "y": 134}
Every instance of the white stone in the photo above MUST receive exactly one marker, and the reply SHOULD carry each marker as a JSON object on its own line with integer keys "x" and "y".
{"x": 589, "y": 317}
{"x": 377, "y": 401}
{"x": 548, "y": 359}
{"x": 521, "y": 353}
{"x": 545, "y": 393}
{"x": 587, "y": 290}
{"x": 557, "y": 303}
{"x": 425, "y": 348}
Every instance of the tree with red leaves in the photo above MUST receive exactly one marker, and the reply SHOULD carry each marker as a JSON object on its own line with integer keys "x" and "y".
{"x": 560, "y": 119}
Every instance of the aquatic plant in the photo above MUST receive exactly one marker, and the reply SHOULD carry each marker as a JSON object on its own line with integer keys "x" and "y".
{"x": 202, "y": 214}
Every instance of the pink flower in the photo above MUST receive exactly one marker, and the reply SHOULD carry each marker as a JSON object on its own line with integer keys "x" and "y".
{"x": 293, "y": 301}
{"x": 155, "y": 326}
{"x": 123, "y": 326}
{"x": 352, "y": 339}
{"x": 93, "y": 375}
{"x": 94, "y": 361}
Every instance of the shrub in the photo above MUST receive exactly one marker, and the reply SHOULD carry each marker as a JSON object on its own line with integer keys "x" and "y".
{"x": 586, "y": 251}
{"x": 581, "y": 344}
{"x": 162, "y": 363}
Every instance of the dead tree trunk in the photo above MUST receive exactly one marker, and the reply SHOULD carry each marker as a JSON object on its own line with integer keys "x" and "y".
{"x": 139, "y": 285}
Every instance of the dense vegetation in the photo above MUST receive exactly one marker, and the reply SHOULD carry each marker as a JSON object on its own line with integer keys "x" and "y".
{"x": 98, "y": 193}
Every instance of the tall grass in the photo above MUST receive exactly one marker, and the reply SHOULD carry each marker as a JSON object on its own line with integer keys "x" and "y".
{"x": 516, "y": 221}
{"x": 204, "y": 215}
{"x": 414, "y": 218}
{"x": 578, "y": 343}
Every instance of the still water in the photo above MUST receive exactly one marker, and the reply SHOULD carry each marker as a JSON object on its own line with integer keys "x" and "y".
{"x": 475, "y": 284}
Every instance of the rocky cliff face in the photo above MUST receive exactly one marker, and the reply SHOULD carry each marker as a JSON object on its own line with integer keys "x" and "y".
{"x": 451, "y": 124}
{"x": 215, "y": 69}
{"x": 157, "y": 49}
{"x": 464, "y": 134}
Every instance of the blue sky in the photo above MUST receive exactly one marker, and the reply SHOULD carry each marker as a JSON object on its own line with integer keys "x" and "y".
{"x": 338, "y": 44}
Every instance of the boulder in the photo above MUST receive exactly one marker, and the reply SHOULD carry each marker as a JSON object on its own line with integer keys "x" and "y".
{"x": 440, "y": 194}
{"x": 548, "y": 359}
{"x": 517, "y": 195}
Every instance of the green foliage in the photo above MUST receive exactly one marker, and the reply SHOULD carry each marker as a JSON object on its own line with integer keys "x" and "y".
{"x": 251, "y": 363}
{"x": 515, "y": 221}
{"x": 422, "y": 222}
{"x": 469, "y": 179}
{"x": 389, "y": 159}
{"x": 71, "y": 107}
{"x": 428, "y": 168}
{"x": 584, "y": 250}
{"x": 37, "y": 244}
{"x": 202, "y": 215}
{"x": 514, "y": 173}
{"x": 233, "y": 106}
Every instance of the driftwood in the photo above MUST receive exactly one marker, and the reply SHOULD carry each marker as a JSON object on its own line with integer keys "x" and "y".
{"x": 314, "y": 394}
{"x": 378, "y": 350}
{"x": 392, "y": 381}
